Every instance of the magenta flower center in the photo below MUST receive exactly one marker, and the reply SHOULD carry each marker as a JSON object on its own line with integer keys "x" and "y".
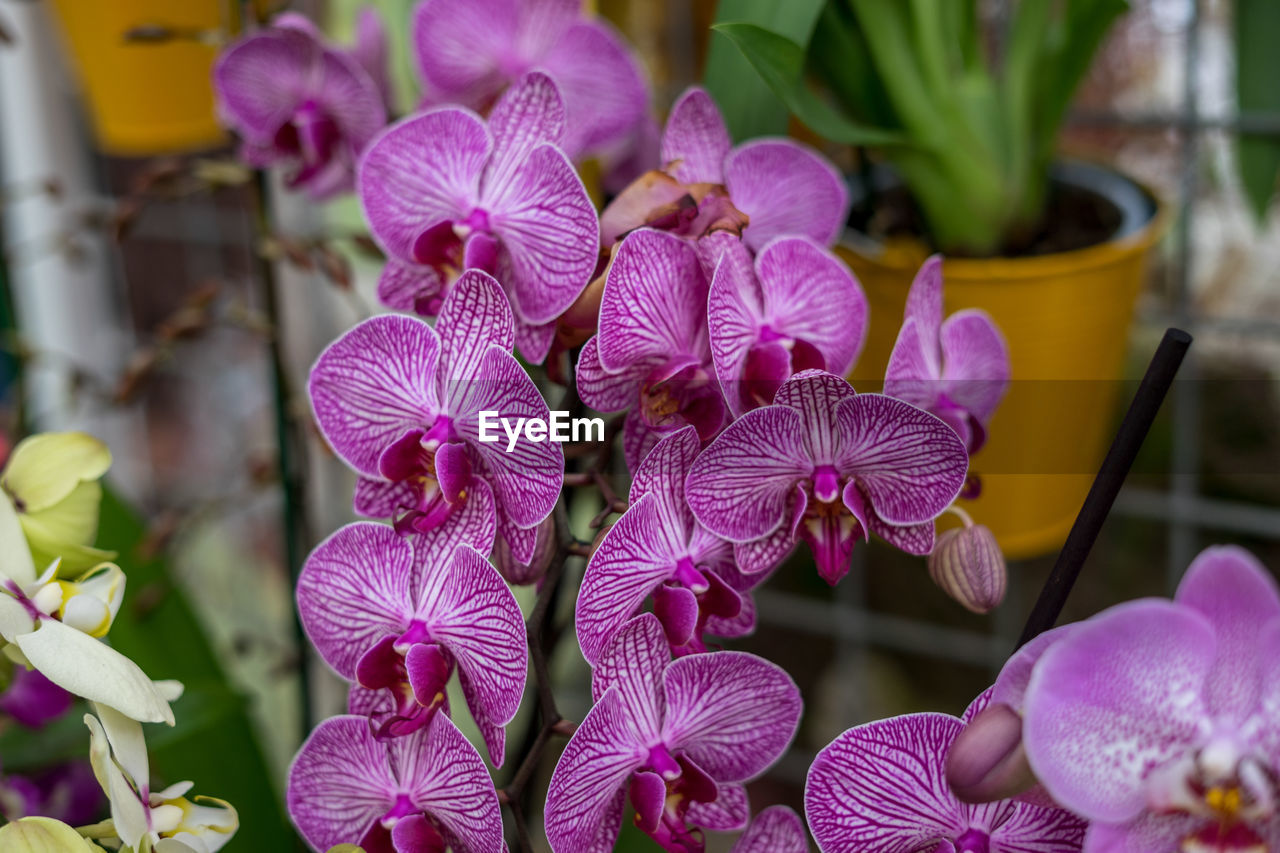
{"x": 973, "y": 841}
{"x": 441, "y": 488}
{"x": 689, "y": 395}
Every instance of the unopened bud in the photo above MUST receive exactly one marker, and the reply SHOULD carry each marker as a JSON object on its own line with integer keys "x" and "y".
{"x": 544, "y": 551}
{"x": 967, "y": 563}
{"x": 987, "y": 761}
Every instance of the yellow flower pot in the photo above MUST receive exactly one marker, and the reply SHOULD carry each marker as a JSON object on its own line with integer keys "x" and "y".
{"x": 143, "y": 97}
{"x": 1066, "y": 318}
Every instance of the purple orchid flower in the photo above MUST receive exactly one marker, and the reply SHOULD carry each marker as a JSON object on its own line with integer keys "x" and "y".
{"x": 370, "y": 49}
{"x": 880, "y": 788}
{"x": 957, "y": 369}
{"x": 1157, "y": 720}
{"x": 391, "y": 617}
{"x": 652, "y": 354}
{"x": 657, "y": 548}
{"x": 677, "y": 738}
{"x": 799, "y": 308}
{"x": 299, "y": 103}
{"x": 33, "y": 700}
{"x": 400, "y": 402}
{"x": 445, "y": 192}
{"x": 777, "y": 829}
{"x": 828, "y": 466}
{"x": 778, "y": 186}
{"x": 469, "y": 51}
{"x": 423, "y": 793}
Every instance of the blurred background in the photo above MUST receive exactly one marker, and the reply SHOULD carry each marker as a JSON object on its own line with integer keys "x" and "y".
{"x": 144, "y": 302}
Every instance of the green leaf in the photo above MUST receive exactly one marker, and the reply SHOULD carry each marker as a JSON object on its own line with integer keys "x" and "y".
{"x": 780, "y": 63}
{"x": 749, "y": 107}
{"x": 1257, "y": 26}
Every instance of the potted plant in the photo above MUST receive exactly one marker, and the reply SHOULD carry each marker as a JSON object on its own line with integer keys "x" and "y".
{"x": 964, "y": 140}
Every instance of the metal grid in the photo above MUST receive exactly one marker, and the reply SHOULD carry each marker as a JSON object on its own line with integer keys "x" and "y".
{"x": 1182, "y": 506}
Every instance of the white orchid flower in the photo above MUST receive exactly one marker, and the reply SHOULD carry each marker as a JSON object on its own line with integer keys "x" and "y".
{"x": 144, "y": 821}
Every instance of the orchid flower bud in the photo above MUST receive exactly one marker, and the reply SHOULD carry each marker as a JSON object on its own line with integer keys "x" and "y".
{"x": 987, "y": 761}
{"x": 967, "y": 563}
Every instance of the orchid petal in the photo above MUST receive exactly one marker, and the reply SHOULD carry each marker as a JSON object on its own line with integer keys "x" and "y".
{"x": 1011, "y": 684}
{"x": 477, "y": 619}
{"x": 86, "y": 667}
{"x": 654, "y": 302}
{"x": 777, "y": 829}
{"x": 696, "y": 139}
{"x": 786, "y": 188}
{"x": 648, "y": 793}
{"x": 372, "y": 384}
{"x": 811, "y": 295}
{"x": 475, "y": 316}
{"x": 414, "y": 288}
{"x": 976, "y": 362}
{"x": 910, "y": 464}
{"x": 604, "y": 88}
{"x": 663, "y": 473}
{"x": 128, "y": 815}
{"x": 740, "y": 485}
{"x": 44, "y": 469}
{"x": 735, "y": 312}
{"x": 817, "y": 395}
{"x": 732, "y": 713}
{"x": 549, "y": 233}
{"x": 355, "y": 589}
{"x": 260, "y": 80}
{"x": 880, "y": 787}
{"x": 492, "y": 733}
{"x": 534, "y": 340}
{"x": 924, "y": 306}
{"x": 1039, "y": 829}
{"x": 526, "y": 480}
{"x": 17, "y": 565}
{"x": 1149, "y": 832}
{"x": 459, "y": 45}
{"x": 602, "y": 390}
{"x": 621, "y": 573}
{"x": 582, "y": 798}
{"x": 421, "y": 171}
{"x": 340, "y": 782}
{"x": 1116, "y": 697}
{"x": 913, "y": 375}
{"x": 633, "y": 664}
{"x": 445, "y": 777}
{"x": 528, "y": 114}
{"x": 727, "y": 812}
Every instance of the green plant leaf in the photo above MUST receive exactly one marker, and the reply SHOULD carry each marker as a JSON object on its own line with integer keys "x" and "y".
{"x": 749, "y": 106}
{"x": 1257, "y": 26}
{"x": 780, "y": 64}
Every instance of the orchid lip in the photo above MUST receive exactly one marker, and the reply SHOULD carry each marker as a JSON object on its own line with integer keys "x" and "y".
{"x": 688, "y": 575}
{"x": 403, "y": 808}
{"x": 661, "y": 762}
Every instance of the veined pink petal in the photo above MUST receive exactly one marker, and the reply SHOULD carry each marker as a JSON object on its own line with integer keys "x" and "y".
{"x": 380, "y": 499}
{"x": 817, "y": 395}
{"x": 1120, "y": 694}
{"x": 528, "y": 114}
{"x": 914, "y": 374}
{"x": 729, "y": 811}
{"x": 1011, "y": 684}
{"x": 543, "y": 23}
{"x": 474, "y": 615}
{"x": 493, "y": 733}
{"x": 777, "y": 829}
{"x": 1235, "y": 592}
{"x": 740, "y": 485}
{"x": 696, "y": 139}
{"x": 663, "y": 473}
{"x": 372, "y": 52}
{"x": 549, "y": 231}
{"x": 444, "y": 776}
{"x": 975, "y": 362}
{"x": 622, "y": 572}
{"x": 762, "y": 555}
{"x": 915, "y": 539}
{"x": 1039, "y": 829}
{"x": 339, "y": 783}
{"x": 604, "y": 88}
{"x": 924, "y": 305}
{"x": 421, "y": 171}
{"x": 638, "y": 438}
{"x": 811, "y": 295}
{"x": 633, "y": 664}
{"x": 527, "y": 480}
{"x": 460, "y": 45}
{"x": 880, "y": 787}
{"x": 355, "y": 589}
{"x": 654, "y": 302}
{"x": 582, "y": 812}
{"x": 534, "y": 340}
{"x": 732, "y": 713}
{"x": 909, "y": 463}
{"x": 602, "y": 390}
{"x": 474, "y": 317}
{"x": 521, "y": 541}
{"x": 372, "y": 384}
{"x": 786, "y": 188}
{"x": 414, "y": 288}
{"x": 735, "y": 314}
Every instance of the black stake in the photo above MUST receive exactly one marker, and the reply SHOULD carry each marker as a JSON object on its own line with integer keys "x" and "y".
{"x": 1124, "y": 448}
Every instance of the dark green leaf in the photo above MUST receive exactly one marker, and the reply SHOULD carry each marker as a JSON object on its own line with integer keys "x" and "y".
{"x": 1257, "y": 26}
{"x": 780, "y": 63}
{"x": 749, "y": 107}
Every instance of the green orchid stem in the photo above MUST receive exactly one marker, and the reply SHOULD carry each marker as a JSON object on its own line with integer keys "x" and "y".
{"x": 290, "y": 443}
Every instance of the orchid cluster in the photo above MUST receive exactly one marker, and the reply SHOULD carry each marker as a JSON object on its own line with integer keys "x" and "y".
{"x": 59, "y": 597}
{"x": 703, "y": 308}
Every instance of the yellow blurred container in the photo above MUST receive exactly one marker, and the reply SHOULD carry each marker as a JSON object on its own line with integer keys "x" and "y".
{"x": 1066, "y": 318}
{"x": 146, "y": 98}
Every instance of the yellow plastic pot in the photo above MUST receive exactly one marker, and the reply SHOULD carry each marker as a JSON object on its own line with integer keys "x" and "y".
{"x": 146, "y": 98}
{"x": 1066, "y": 318}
